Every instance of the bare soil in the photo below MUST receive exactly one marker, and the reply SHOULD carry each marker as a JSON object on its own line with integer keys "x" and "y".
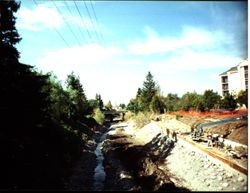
{"x": 235, "y": 131}
{"x": 134, "y": 165}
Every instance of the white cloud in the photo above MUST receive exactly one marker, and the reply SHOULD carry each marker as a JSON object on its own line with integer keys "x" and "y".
{"x": 91, "y": 56}
{"x": 190, "y": 38}
{"x": 39, "y": 18}
{"x": 188, "y": 60}
{"x": 93, "y": 63}
{"x": 117, "y": 73}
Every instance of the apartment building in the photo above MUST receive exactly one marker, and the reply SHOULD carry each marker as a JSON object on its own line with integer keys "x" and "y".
{"x": 235, "y": 79}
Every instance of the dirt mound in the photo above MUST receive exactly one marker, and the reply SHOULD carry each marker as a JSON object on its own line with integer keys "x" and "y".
{"x": 217, "y": 114}
{"x": 235, "y": 131}
{"x": 125, "y": 155}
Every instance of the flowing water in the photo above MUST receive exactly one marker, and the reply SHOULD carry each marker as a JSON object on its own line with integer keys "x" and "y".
{"x": 100, "y": 175}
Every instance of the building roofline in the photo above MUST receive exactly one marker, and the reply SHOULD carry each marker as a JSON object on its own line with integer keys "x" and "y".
{"x": 230, "y": 70}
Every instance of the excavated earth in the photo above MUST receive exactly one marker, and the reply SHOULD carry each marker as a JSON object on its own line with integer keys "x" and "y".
{"x": 131, "y": 165}
{"x": 146, "y": 159}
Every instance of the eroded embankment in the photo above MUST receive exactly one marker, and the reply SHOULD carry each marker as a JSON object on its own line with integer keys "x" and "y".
{"x": 132, "y": 165}
{"x": 144, "y": 160}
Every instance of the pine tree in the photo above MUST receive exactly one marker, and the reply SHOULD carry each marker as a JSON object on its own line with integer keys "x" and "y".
{"x": 100, "y": 102}
{"x": 77, "y": 96}
{"x": 8, "y": 32}
{"x": 148, "y": 91}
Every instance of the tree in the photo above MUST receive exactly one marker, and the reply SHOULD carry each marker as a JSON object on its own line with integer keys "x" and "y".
{"x": 108, "y": 106}
{"x": 132, "y": 106}
{"x": 77, "y": 96}
{"x": 99, "y": 100}
{"x": 172, "y": 102}
{"x": 99, "y": 116}
{"x": 148, "y": 91}
{"x": 157, "y": 105}
{"x": 27, "y": 132}
{"x": 122, "y": 106}
{"x": 229, "y": 102}
{"x": 92, "y": 105}
{"x": 60, "y": 102}
{"x": 211, "y": 99}
{"x": 192, "y": 101}
{"x": 8, "y": 33}
{"x": 242, "y": 98}
{"x": 32, "y": 108}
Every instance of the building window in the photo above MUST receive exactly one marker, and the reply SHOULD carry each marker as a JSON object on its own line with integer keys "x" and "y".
{"x": 225, "y": 87}
{"x": 224, "y": 79}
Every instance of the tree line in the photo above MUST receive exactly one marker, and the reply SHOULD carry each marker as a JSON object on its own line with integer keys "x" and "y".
{"x": 149, "y": 99}
{"x": 44, "y": 126}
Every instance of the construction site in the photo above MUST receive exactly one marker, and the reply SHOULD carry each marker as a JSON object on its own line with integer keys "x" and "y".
{"x": 169, "y": 154}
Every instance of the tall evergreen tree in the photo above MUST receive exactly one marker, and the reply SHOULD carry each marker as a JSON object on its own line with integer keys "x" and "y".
{"x": 148, "y": 91}
{"x": 34, "y": 148}
{"x": 77, "y": 96}
{"x": 8, "y": 32}
{"x": 100, "y": 101}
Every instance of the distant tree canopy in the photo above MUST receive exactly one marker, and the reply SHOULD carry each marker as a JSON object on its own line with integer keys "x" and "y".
{"x": 148, "y": 98}
{"x": 191, "y": 101}
{"x": 172, "y": 102}
{"x": 229, "y": 102}
{"x": 157, "y": 104}
{"x": 211, "y": 99}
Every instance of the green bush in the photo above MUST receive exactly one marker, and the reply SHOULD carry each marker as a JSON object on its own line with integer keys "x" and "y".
{"x": 142, "y": 119}
{"x": 99, "y": 116}
{"x": 128, "y": 115}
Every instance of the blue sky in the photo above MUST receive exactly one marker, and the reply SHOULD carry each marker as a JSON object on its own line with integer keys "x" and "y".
{"x": 184, "y": 44}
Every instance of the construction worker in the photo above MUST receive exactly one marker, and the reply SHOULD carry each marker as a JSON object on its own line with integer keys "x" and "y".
{"x": 215, "y": 138}
{"x": 209, "y": 140}
{"x": 174, "y": 136}
{"x": 221, "y": 141}
{"x": 167, "y": 130}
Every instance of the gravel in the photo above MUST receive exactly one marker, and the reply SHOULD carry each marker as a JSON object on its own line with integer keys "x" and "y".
{"x": 200, "y": 172}
{"x": 190, "y": 167}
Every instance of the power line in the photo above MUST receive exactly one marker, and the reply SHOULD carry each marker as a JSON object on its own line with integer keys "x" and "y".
{"x": 67, "y": 23}
{"x": 61, "y": 36}
{"x": 93, "y": 9}
{"x": 91, "y": 20}
{"x": 82, "y": 20}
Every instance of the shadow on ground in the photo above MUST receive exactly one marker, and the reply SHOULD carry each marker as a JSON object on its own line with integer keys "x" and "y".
{"x": 140, "y": 162}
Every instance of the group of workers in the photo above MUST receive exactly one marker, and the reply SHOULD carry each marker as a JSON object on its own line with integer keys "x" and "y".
{"x": 174, "y": 135}
{"x": 217, "y": 139}
{"x": 212, "y": 140}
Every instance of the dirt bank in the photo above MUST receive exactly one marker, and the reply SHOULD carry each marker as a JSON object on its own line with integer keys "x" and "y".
{"x": 235, "y": 131}
{"x": 150, "y": 165}
{"x": 132, "y": 165}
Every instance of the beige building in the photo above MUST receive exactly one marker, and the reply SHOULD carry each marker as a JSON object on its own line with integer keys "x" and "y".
{"x": 235, "y": 79}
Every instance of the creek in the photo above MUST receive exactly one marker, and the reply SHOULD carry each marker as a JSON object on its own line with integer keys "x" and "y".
{"x": 100, "y": 174}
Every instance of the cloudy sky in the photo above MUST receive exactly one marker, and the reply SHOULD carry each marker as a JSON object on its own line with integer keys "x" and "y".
{"x": 112, "y": 45}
